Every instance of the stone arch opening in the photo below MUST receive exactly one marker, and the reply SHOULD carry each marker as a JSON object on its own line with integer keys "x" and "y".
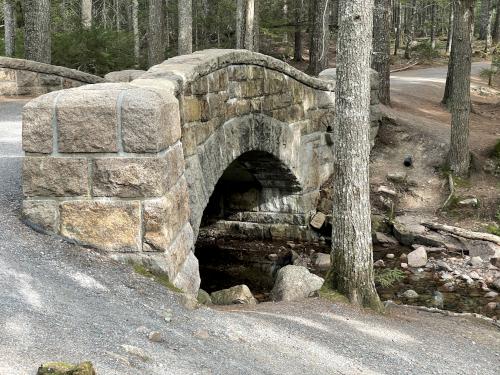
{"x": 256, "y": 200}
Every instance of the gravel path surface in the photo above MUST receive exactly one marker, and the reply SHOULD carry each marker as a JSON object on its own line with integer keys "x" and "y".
{"x": 63, "y": 302}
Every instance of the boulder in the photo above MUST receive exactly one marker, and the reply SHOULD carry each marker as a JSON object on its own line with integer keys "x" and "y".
{"x": 61, "y": 368}
{"x": 239, "y": 294}
{"x": 476, "y": 261}
{"x": 384, "y": 239}
{"x": 418, "y": 257}
{"x": 406, "y": 228}
{"x": 204, "y": 298}
{"x": 410, "y": 294}
{"x": 322, "y": 261}
{"x": 484, "y": 249}
{"x": 295, "y": 283}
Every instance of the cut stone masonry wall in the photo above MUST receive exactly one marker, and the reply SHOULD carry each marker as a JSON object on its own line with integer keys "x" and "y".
{"x": 130, "y": 167}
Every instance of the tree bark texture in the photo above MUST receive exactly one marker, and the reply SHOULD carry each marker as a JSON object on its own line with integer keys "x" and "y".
{"x": 449, "y": 41}
{"x": 37, "y": 41}
{"x": 87, "y": 14}
{"x": 245, "y": 25}
{"x": 352, "y": 258}
{"x": 135, "y": 30}
{"x": 397, "y": 25}
{"x": 382, "y": 47}
{"x": 459, "y": 156}
{"x": 410, "y": 35}
{"x": 496, "y": 27}
{"x": 298, "y": 12}
{"x": 433, "y": 25}
{"x": 10, "y": 27}
{"x": 185, "y": 38}
{"x": 320, "y": 37}
{"x": 156, "y": 50}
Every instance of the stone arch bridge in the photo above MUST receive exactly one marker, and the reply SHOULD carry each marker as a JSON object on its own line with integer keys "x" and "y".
{"x": 132, "y": 167}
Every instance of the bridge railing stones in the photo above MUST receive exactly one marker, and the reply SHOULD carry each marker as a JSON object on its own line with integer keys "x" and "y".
{"x": 24, "y": 77}
{"x": 129, "y": 167}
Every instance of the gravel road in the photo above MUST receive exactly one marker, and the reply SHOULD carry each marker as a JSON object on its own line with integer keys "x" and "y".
{"x": 63, "y": 302}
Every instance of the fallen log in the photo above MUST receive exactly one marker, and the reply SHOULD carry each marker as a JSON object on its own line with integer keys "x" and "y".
{"x": 463, "y": 232}
{"x": 406, "y": 67}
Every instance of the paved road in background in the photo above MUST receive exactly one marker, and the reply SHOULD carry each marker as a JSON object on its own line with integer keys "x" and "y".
{"x": 66, "y": 303}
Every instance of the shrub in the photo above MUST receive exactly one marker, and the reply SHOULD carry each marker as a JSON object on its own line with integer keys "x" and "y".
{"x": 388, "y": 277}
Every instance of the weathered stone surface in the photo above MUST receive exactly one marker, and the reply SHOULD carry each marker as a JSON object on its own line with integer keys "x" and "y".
{"x": 237, "y": 295}
{"x": 294, "y": 283}
{"x": 87, "y": 120}
{"x": 62, "y": 368}
{"x": 318, "y": 220}
{"x": 113, "y": 226}
{"x": 204, "y": 298}
{"x": 483, "y": 249}
{"x": 406, "y": 228}
{"x": 124, "y": 75}
{"x": 42, "y": 214}
{"x": 164, "y": 217}
{"x": 150, "y": 120}
{"x": 418, "y": 257}
{"x": 37, "y": 124}
{"x": 55, "y": 176}
{"x": 188, "y": 278}
{"x": 322, "y": 261}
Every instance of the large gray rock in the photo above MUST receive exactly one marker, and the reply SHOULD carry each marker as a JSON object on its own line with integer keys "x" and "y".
{"x": 124, "y": 75}
{"x": 418, "y": 257}
{"x": 294, "y": 283}
{"x": 239, "y": 294}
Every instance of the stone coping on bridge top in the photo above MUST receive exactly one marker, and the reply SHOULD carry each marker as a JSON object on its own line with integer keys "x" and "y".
{"x": 179, "y": 70}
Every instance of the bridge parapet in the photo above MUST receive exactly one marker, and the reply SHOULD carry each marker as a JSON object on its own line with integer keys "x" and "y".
{"x": 131, "y": 167}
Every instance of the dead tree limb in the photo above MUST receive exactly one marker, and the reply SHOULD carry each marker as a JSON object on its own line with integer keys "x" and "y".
{"x": 463, "y": 232}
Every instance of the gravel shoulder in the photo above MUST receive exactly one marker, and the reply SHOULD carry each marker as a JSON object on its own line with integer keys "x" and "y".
{"x": 64, "y": 302}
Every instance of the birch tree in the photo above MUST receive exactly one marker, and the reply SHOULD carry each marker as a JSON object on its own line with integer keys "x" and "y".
{"x": 185, "y": 37}
{"x": 320, "y": 37}
{"x": 37, "y": 41}
{"x": 352, "y": 259}
{"x": 10, "y": 27}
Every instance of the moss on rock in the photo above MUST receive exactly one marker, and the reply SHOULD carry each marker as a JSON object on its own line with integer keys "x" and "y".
{"x": 62, "y": 368}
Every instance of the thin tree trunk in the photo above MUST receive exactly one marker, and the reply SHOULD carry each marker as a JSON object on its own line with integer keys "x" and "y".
{"x": 496, "y": 28}
{"x": 135, "y": 28}
{"x": 185, "y": 37}
{"x": 297, "y": 51}
{"x": 87, "y": 14}
{"x": 410, "y": 35}
{"x": 484, "y": 18}
{"x": 105, "y": 14}
{"x": 155, "y": 38}
{"x": 433, "y": 25}
{"x": 10, "y": 27}
{"x": 320, "y": 39}
{"x": 117, "y": 15}
{"x": 37, "y": 41}
{"x": 352, "y": 257}
{"x": 459, "y": 156}
{"x": 488, "y": 37}
{"x": 398, "y": 27}
{"x": 382, "y": 47}
{"x": 246, "y": 25}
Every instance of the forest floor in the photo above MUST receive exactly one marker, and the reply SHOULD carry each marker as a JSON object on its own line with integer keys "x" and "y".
{"x": 419, "y": 125}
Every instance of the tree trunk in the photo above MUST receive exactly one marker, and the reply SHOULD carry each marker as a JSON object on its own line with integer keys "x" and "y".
{"x": 245, "y": 25}
{"x": 484, "y": 18}
{"x": 449, "y": 40}
{"x": 496, "y": 28}
{"x": 382, "y": 47}
{"x": 37, "y": 41}
{"x": 156, "y": 53}
{"x": 397, "y": 40}
{"x": 297, "y": 51}
{"x": 352, "y": 258}
{"x": 10, "y": 27}
{"x": 433, "y": 25}
{"x": 135, "y": 28}
{"x": 185, "y": 37}
{"x": 87, "y": 14}
{"x": 320, "y": 37}
{"x": 488, "y": 38}
{"x": 411, "y": 29}
{"x": 459, "y": 156}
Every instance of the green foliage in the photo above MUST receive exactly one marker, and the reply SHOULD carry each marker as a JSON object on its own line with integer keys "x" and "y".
{"x": 496, "y": 150}
{"x": 160, "y": 278}
{"x": 388, "y": 277}
{"x": 97, "y": 51}
{"x": 493, "y": 229}
{"x": 425, "y": 52}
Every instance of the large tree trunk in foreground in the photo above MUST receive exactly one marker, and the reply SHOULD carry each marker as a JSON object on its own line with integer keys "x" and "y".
{"x": 352, "y": 258}
{"x": 246, "y": 25}
{"x": 320, "y": 37}
{"x": 10, "y": 27}
{"x": 37, "y": 42}
{"x": 156, "y": 53}
{"x": 185, "y": 39}
{"x": 87, "y": 14}
{"x": 459, "y": 156}
{"x": 382, "y": 47}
